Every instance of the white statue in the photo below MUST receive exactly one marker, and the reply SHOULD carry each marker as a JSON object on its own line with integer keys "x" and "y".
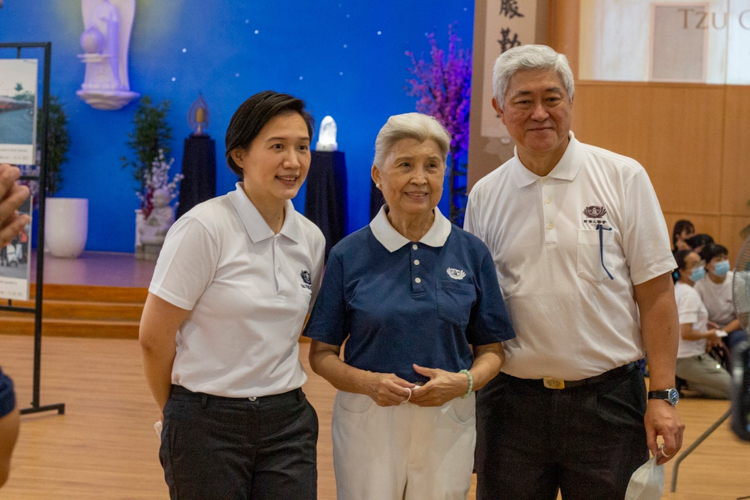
{"x": 155, "y": 227}
{"x": 105, "y": 42}
{"x": 327, "y": 136}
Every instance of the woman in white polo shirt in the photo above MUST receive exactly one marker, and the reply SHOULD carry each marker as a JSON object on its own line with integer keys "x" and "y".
{"x": 230, "y": 293}
{"x": 702, "y": 373}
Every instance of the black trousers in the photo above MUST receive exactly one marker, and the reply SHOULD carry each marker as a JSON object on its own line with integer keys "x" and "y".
{"x": 585, "y": 441}
{"x": 229, "y": 448}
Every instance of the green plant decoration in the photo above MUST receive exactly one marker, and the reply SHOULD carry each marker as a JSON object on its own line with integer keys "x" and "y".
{"x": 58, "y": 143}
{"x": 151, "y": 134}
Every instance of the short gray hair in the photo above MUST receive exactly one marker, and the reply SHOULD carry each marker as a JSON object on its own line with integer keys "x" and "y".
{"x": 410, "y": 126}
{"x": 529, "y": 57}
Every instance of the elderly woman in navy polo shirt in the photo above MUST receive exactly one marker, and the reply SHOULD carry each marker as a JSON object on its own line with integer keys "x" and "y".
{"x": 418, "y": 303}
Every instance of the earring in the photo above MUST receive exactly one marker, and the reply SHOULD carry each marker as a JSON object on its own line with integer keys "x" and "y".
{"x": 377, "y": 185}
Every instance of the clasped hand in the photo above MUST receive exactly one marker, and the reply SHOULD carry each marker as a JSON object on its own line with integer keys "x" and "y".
{"x": 387, "y": 389}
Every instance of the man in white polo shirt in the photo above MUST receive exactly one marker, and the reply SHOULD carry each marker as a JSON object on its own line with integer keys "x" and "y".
{"x": 580, "y": 246}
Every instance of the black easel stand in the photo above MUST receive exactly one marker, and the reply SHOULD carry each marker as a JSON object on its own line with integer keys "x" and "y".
{"x": 42, "y": 179}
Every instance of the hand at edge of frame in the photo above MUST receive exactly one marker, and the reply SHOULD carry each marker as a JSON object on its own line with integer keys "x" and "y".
{"x": 12, "y": 196}
{"x": 662, "y": 419}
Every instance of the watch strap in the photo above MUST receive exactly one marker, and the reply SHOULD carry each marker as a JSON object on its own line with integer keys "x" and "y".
{"x": 669, "y": 395}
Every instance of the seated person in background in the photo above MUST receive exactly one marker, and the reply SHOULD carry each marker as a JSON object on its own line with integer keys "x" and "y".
{"x": 698, "y": 241}
{"x": 683, "y": 229}
{"x": 716, "y": 293}
{"x": 702, "y": 373}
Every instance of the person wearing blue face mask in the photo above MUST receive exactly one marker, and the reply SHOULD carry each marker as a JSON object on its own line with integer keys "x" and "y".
{"x": 716, "y": 292}
{"x": 701, "y": 372}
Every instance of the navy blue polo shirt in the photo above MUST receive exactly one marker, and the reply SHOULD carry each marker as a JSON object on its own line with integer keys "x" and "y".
{"x": 7, "y": 396}
{"x": 401, "y": 303}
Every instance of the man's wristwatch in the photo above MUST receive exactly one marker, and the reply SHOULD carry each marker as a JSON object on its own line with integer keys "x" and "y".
{"x": 671, "y": 396}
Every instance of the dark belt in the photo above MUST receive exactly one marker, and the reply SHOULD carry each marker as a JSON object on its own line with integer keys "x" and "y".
{"x": 182, "y": 392}
{"x": 554, "y": 383}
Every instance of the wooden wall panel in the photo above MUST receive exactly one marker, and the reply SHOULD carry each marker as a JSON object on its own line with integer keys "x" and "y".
{"x": 692, "y": 139}
{"x": 675, "y": 131}
{"x": 709, "y": 224}
{"x": 562, "y": 29}
{"x": 735, "y": 190}
{"x": 730, "y": 234}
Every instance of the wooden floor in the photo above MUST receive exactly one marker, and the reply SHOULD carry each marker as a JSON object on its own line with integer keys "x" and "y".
{"x": 105, "y": 446}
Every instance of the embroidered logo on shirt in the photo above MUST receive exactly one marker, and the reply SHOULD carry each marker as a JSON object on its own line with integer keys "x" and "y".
{"x": 305, "y": 275}
{"x": 456, "y": 274}
{"x": 594, "y": 215}
{"x": 595, "y": 212}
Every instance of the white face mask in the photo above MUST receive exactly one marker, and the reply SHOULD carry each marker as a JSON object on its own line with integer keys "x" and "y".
{"x": 647, "y": 482}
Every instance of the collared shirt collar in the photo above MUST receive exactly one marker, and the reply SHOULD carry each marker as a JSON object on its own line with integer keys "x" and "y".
{"x": 565, "y": 170}
{"x": 392, "y": 240}
{"x": 256, "y": 225}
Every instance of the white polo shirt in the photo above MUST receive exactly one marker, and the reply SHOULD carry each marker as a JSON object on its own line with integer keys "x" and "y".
{"x": 572, "y": 320}
{"x": 248, "y": 290}
{"x": 717, "y": 297}
{"x": 692, "y": 311}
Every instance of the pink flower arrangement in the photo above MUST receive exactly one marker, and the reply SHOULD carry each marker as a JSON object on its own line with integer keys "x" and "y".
{"x": 443, "y": 88}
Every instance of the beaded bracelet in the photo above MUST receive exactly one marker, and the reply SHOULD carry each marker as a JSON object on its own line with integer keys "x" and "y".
{"x": 471, "y": 383}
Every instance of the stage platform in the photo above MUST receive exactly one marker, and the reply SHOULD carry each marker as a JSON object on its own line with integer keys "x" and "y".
{"x": 100, "y": 294}
{"x": 107, "y": 269}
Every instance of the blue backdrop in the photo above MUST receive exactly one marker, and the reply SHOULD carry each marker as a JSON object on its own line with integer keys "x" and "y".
{"x": 345, "y": 58}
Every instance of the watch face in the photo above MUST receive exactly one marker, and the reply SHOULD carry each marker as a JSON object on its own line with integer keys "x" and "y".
{"x": 673, "y": 396}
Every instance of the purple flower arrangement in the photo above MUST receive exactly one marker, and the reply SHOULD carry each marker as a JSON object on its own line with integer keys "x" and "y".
{"x": 443, "y": 88}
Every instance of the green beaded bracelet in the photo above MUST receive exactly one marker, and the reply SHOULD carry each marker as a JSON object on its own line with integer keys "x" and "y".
{"x": 471, "y": 383}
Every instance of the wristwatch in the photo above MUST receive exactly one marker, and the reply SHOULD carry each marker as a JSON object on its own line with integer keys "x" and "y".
{"x": 671, "y": 396}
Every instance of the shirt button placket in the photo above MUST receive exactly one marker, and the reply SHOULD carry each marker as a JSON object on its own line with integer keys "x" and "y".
{"x": 277, "y": 263}
{"x": 417, "y": 286}
{"x": 549, "y": 212}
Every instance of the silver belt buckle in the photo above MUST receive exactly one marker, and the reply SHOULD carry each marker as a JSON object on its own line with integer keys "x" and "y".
{"x": 553, "y": 383}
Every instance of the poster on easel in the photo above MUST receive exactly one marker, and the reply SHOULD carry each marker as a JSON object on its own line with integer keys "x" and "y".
{"x": 15, "y": 265}
{"x": 18, "y": 98}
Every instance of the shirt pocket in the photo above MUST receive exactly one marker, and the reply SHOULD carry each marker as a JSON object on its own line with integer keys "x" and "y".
{"x": 454, "y": 301}
{"x": 353, "y": 403}
{"x": 463, "y": 410}
{"x": 592, "y": 251}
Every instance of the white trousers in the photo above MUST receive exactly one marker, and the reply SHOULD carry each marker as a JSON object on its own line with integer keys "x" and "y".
{"x": 402, "y": 452}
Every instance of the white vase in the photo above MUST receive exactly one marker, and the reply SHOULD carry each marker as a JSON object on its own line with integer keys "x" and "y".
{"x": 66, "y": 226}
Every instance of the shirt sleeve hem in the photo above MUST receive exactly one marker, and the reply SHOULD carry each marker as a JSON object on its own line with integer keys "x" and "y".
{"x": 171, "y": 298}
{"x": 500, "y": 336}
{"x": 688, "y": 319}
{"x": 321, "y": 338}
{"x": 665, "y": 266}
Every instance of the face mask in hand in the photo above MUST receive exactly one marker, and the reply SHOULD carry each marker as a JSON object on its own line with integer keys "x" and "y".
{"x": 721, "y": 268}
{"x": 647, "y": 482}
{"x": 697, "y": 274}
